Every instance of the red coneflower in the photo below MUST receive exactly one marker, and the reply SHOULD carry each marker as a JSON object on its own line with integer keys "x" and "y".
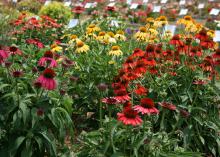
{"x": 46, "y": 79}
{"x": 138, "y": 53}
{"x": 150, "y": 50}
{"x": 3, "y": 55}
{"x": 129, "y": 117}
{"x": 140, "y": 90}
{"x": 216, "y": 54}
{"x": 146, "y": 107}
{"x": 78, "y": 10}
{"x": 208, "y": 64}
{"x": 195, "y": 51}
{"x": 176, "y": 40}
{"x": 122, "y": 95}
{"x": 207, "y": 43}
{"x": 48, "y": 58}
{"x": 202, "y": 35}
{"x": 141, "y": 67}
{"x": 167, "y": 105}
{"x": 129, "y": 62}
{"x": 35, "y": 42}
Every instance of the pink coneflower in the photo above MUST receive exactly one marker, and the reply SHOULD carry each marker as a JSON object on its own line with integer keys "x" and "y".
{"x": 35, "y": 42}
{"x": 48, "y": 58}
{"x": 200, "y": 82}
{"x": 110, "y": 100}
{"x": 146, "y": 107}
{"x": 3, "y": 55}
{"x": 14, "y": 51}
{"x": 17, "y": 73}
{"x": 129, "y": 117}
{"x": 46, "y": 79}
{"x": 167, "y": 105}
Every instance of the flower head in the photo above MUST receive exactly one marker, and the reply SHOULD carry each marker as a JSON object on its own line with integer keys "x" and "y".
{"x": 129, "y": 117}
{"x": 146, "y": 107}
{"x": 47, "y": 79}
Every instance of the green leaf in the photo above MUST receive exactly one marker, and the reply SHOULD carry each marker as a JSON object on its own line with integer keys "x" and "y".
{"x": 50, "y": 144}
{"x": 16, "y": 145}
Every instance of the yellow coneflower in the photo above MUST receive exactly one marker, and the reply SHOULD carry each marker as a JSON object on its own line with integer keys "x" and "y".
{"x": 81, "y": 47}
{"x": 211, "y": 33}
{"x": 102, "y": 36}
{"x": 111, "y": 37}
{"x": 64, "y": 36}
{"x": 161, "y": 21}
{"x": 188, "y": 18}
{"x": 168, "y": 35}
{"x": 111, "y": 62}
{"x": 92, "y": 28}
{"x": 153, "y": 31}
{"x": 115, "y": 51}
{"x": 73, "y": 38}
{"x": 56, "y": 48}
{"x": 141, "y": 35}
{"x": 190, "y": 27}
{"x": 120, "y": 35}
{"x": 150, "y": 20}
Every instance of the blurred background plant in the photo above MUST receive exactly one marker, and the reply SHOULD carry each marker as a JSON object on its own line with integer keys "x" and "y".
{"x": 57, "y": 10}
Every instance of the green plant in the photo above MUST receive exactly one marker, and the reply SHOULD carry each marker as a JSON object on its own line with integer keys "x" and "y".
{"x": 32, "y": 6}
{"x": 58, "y": 11}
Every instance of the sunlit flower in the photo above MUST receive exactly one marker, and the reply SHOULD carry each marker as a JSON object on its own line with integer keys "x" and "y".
{"x": 47, "y": 79}
{"x": 103, "y": 37}
{"x": 141, "y": 35}
{"x": 73, "y": 38}
{"x": 111, "y": 37}
{"x": 56, "y": 48}
{"x": 115, "y": 51}
{"x": 81, "y": 47}
{"x": 129, "y": 117}
{"x": 92, "y": 28}
{"x": 146, "y": 107}
{"x": 120, "y": 35}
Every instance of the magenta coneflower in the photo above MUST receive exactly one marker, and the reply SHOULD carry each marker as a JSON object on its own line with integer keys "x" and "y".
{"x": 17, "y": 73}
{"x": 14, "y": 51}
{"x": 3, "y": 55}
{"x": 146, "y": 107}
{"x": 46, "y": 79}
{"x": 48, "y": 58}
{"x": 167, "y": 105}
{"x": 129, "y": 117}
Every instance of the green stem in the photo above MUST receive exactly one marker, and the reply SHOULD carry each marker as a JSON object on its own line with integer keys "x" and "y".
{"x": 162, "y": 120}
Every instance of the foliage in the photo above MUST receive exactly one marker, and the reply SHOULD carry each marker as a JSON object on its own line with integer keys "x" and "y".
{"x": 57, "y": 10}
{"x": 32, "y": 6}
